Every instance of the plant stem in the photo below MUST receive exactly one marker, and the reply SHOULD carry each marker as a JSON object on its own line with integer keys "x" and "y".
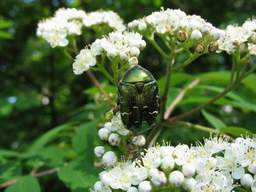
{"x": 198, "y": 127}
{"x": 90, "y": 75}
{"x": 166, "y": 85}
{"x": 39, "y": 174}
{"x": 93, "y": 79}
{"x": 180, "y": 96}
{"x": 157, "y": 47}
{"x": 197, "y": 109}
{"x": 187, "y": 62}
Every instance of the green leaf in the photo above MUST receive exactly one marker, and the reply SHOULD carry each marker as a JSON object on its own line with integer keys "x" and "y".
{"x": 46, "y": 138}
{"x": 83, "y": 140}
{"x": 53, "y": 155}
{"x": 213, "y": 120}
{"x": 5, "y": 35}
{"x": 237, "y": 131}
{"x": 9, "y": 170}
{"x": 5, "y": 24}
{"x": 215, "y": 77}
{"x": 25, "y": 184}
{"x": 8, "y": 153}
{"x": 249, "y": 82}
{"x": 76, "y": 179}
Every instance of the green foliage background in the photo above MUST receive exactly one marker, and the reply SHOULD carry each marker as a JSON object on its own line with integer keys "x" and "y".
{"x": 49, "y": 116}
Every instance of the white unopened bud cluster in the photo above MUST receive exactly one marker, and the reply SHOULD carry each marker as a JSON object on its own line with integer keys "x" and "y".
{"x": 108, "y": 158}
{"x": 70, "y": 21}
{"x": 176, "y": 24}
{"x": 124, "y": 46}
{"x": 113, "y": 131}
{"x": 217, "y": 165}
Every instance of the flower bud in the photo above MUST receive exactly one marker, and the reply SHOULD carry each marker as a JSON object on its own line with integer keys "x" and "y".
{"x": 188, "y": 169}
{"x": 133, "y": 61}
{"x": 168, "y": 163}
{"x": 103, "y": 134}
{"x": 134, "y": 51}
{"x": 114, "y": 139}
{"x": 176, "y": 178}
{"x": 199, "y": 49}
{"x": 246, "y": 180}
{"x": 109, "y": 158}
{"x": 157, "y": 177}
{"x": 252, "y": 168}
{"x": 253, "y": 186}
{"x": 142, "y": 26}
{"x": 132, "y": 189}
{"x": 213, "y": 46}
{"x": 189, "y": 183}
{"x": 182, "y": 36}
{"x": 139, "y": 140}
{"x": 145, "y": 186}
{"x": 196, "y": 34}
{"x": 99, "y": 151}
{"x": 98, "y": 186}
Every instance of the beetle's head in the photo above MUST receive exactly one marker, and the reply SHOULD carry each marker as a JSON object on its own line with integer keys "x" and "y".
{"x": 137, "y": 74}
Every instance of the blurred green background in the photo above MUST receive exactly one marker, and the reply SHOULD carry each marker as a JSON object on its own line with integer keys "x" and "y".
{"x": 39, "y": 90}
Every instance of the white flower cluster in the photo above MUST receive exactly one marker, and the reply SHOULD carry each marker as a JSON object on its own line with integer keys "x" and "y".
{"x": 243, "y": 37}
{"x": 113, "y": 130}
{"x": 125, "y": 46}
{"x": 175, "y": 22}
{"x": 216, "y": 166}
{"x": 109, "y": 18}
{"x": 70, "y": 21}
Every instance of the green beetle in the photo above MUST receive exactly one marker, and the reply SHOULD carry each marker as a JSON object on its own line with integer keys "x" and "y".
{"x": 138, "y": 97}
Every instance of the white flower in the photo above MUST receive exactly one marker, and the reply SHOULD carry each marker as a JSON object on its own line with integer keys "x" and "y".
{"x": 181, "y": 154}
{"x": 124, "y": 45}
{"x": 213, "y": 181}
{"x": 145, "y": 186}
{"x": 232, "y": 38}
{"x": 252, "y": 168}
{"x": 139, "y": 140}
{"x": 99, "y": 151}
{"x": 152, "y": 159}
{"x": 247, "y": 180}
{"x": 100, "y": 187}
{"x": 158, "y": 178}
{"x": 123, "y": 176}
{"x": 168, "y": 163}
{"x": 252, "y": 48}
{"x": 253, "y": 187}
{"x": 176, "y": 178}
{"x": 170, "y": 21}
{"x": 109, "y": 158}
{"x": 132, "y": 189}
{"x": 166, "y": 151}
{"x": 114, "y": 139}
{"x": 56, "y": 29}
{"x": 103, "y": 133}
{"x": 84, "y": 60}
{"x": 118, "y": 126}
{"x": 189, "y": 183}
{"x": 196, "y": 34}
{"x": 188, "y": 169}
{"x": 110, "y": 18}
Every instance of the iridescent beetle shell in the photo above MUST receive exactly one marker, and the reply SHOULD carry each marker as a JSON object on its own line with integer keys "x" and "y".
{"x": 138, "y": 97}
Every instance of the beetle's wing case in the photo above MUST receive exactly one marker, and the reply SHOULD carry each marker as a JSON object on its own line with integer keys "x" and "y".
{"x": 151, "y": 102}
{"x": 127, "y": 99}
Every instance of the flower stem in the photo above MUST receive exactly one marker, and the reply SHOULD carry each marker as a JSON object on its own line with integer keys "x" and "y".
{"x": 157, "y": 47}
{"x": 198, "y": 127}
